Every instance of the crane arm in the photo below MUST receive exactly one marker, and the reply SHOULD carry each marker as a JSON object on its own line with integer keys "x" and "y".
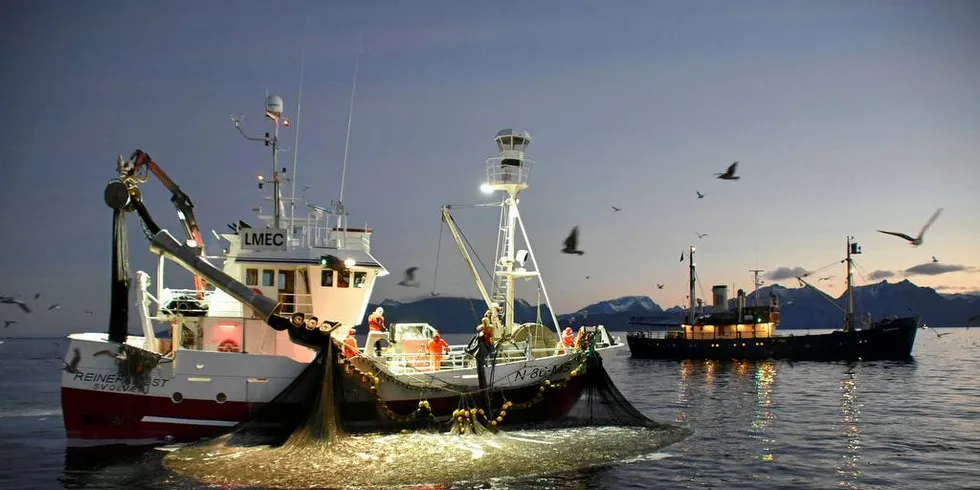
{"x": 134, "y": 172}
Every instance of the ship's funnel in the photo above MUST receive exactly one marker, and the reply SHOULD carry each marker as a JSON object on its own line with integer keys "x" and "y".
{"x": 720, "y": 294}
{"x": 164, "y": 243}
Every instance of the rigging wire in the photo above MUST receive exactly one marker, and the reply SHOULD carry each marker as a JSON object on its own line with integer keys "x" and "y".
{"x": 435, "y": 272}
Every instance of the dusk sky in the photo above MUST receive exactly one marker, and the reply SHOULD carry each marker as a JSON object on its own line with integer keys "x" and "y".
{"x": 846, "y": 117}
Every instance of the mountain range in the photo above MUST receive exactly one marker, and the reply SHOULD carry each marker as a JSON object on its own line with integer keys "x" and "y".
{"x": 801, "y": 308}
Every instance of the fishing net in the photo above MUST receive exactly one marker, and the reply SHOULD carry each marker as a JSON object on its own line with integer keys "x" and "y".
{"x": 298, "y": 439}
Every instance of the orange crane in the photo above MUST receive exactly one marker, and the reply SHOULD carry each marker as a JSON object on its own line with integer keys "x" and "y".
{"x": 134, "y": 172}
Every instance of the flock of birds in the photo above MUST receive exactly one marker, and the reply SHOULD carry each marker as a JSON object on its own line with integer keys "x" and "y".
{"x": 570, "y": 245}
{"x": 10, "y": 300}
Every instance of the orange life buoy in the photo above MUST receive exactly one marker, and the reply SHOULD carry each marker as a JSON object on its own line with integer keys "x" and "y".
{"x": 229, "y": 345}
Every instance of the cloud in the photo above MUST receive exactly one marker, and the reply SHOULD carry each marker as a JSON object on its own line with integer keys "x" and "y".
{"x": 785, "y": 273}
{"x": 958, "y": 289}
{"x": 936, "y": 268}
{"x": 880, "y": 274}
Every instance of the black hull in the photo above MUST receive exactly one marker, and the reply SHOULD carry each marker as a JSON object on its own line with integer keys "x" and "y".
{"x": 886, "y": 340}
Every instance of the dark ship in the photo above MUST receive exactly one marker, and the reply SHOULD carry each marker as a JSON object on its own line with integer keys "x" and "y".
{"x": 741, "y": 331}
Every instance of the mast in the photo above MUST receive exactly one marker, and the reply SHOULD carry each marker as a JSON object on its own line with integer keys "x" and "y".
{"x": 693, "y": 282}
{"x": 273, "y": 112}
{"x": 852, "y": 248}
{"x": 757, "y": 283}
{"x": 509, "y": 172}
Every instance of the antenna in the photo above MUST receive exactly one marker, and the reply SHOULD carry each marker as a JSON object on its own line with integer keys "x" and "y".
{"x": 299, "y": 106}
{"x": 350, "y": 116}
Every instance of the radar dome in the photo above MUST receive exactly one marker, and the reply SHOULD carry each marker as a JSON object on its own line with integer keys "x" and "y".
{"x": 273, "y": 104}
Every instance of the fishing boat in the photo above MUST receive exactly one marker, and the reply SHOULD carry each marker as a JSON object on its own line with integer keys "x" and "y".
{"x": 737, "y": 330}
{"x": 286, "y": 290}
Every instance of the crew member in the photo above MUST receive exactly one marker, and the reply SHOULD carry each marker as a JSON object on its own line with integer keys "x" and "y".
{"x": 436, "y": 347}
{"x": 376, "y": 320}
{"x": 350, "y": 344}
{"x": 567, "y": 338}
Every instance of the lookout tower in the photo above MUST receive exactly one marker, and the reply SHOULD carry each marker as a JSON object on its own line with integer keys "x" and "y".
{"x": 509, "y": 171}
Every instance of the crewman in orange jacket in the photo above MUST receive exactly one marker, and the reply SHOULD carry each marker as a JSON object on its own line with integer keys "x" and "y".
{"x": 350, "y": 344}
{"x": 437, "y": 347}
{"x": 567, "y": 338}
{"x": 376, "y": 320}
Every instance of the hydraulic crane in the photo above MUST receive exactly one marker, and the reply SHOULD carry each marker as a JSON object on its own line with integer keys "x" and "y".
{"x": 135, "y": 171}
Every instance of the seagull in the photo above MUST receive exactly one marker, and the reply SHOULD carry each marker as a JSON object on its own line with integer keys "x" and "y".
{"x": 37, "y": 296}
{"x": 939, "y": 334}
{"x": 571, "y": 243}
{"x": 917, "y": 240}
{"x": 409, "y": 279}
{"x": 120, "y": 356}
{"x": 15, "y": 301}
{"x": 825, "y": 278}
{"x": 88, "y": 312}
{"x": 72, "y": 366}
{"x": 682, "y": 257}
{"x": 616, "y": 209}
{"x": 7, "y": 323}
{"x": 586, "y": 277}
{"x": 730, "y": 173}
{"x": 701, "y": 235}
{"x": 934, "y": 259}
{"x": 55, "y": 306}
{"x": 700, "y": 196}
{"x": 660, "y": 286}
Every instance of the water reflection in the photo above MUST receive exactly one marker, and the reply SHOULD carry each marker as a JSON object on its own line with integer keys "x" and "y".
{"x": 851, "y": 429}
{"x": 765, "y": 374}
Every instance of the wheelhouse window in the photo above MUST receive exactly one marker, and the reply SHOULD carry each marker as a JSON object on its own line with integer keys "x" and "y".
{"x": 268, "y": 277}
{"x": 359, "y": 279}
{"x": 343, "y": 279}
{"x": 326, "y": 278}
{"x": 251, "y": 277}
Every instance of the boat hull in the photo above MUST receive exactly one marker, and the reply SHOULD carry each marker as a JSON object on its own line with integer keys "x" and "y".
{"x": 202, "y": 394}
{"x": 887, "y": 340}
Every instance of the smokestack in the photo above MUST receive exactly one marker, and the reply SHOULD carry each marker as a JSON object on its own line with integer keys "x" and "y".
{"x": 720, "y": 294}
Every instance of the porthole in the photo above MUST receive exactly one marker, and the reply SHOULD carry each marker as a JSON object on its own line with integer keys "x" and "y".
{"x": 221, "y": 398}
{"x": 177, "y": 397}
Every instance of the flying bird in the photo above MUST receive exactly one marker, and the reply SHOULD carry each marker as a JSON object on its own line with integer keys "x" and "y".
{"x": 571, "y": 243}
{"x": 55, "y": 306}
{"x": 616, "y": 209}
{"x": 120, "y": 356}
{"x": 72, "y": 365}
{"x": 934, "y": 259}
{"x": 586, "y": 277}
{"x": 825, "y": 278}
{"x": 660, "y": 286}
{"x": 701, "y": 235}
{"x": 37, "y": 296}
{"x": 700, "y": 196}
{"x": 915, "y": 242}
{"x": 409, "y": 279}
{"x": 88, "y": 312}
{"x": 7, "y": 323}
{"x": 730, "y": 173}
{"x": 682, "y": 257}
{"x": 15, "y": 301}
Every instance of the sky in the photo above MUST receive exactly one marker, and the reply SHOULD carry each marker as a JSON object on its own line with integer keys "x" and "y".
{"x": 845, "y": 117}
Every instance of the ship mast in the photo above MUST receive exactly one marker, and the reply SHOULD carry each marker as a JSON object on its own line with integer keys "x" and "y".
{"x": 758, "y": 284}
{"x": 693, "y": 281}
{"x": 852, "y": 248}
{"x": 509, "y": 172}
{"x": 273, "y": 112}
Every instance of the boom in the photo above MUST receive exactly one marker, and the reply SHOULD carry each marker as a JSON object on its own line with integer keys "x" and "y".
{"x": 134, "y": 172}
